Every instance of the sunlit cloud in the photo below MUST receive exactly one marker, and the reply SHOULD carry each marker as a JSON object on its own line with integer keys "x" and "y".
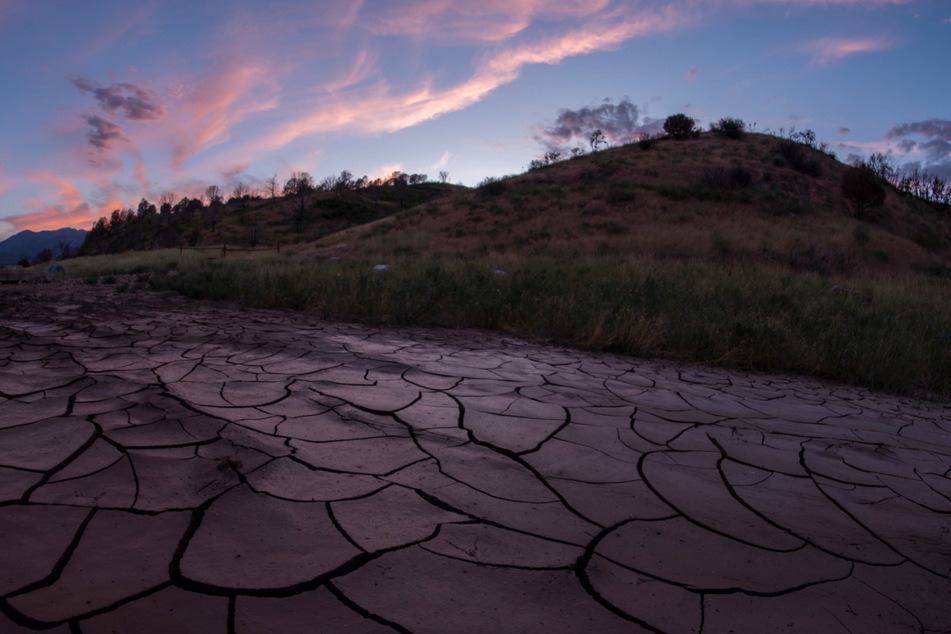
{"x": 692, "y": 74}
{"x": 378, "y": 109}
{"x": 484, "y": 21}
{"x": 66, "y": 208}
{"x": 442, "y": 162}
{"x": 812, "y": 3}
{"x": 208, "y": 112}
{"x": 827, "y": 50}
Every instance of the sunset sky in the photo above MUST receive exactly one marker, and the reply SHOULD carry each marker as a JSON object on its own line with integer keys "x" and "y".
{"x": 107, "y": 102}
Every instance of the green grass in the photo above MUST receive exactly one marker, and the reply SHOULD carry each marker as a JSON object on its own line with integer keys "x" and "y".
{"x": 722, "y": 314}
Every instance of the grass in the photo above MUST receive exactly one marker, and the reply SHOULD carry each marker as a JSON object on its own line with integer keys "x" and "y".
{"x": 748, "y": 317}
{"x": 708, "y": 250}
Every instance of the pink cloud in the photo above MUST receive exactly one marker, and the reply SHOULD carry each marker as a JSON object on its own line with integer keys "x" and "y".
{"x": 209, "y": 110}
{"x": 378, "y": 109}
{"x": 828, "y": 50}
{"x": 811, "y": 3}
{"x": 483, "y": 21}
{"x": 68, "y": 208}
{"x": 692, "y": 74}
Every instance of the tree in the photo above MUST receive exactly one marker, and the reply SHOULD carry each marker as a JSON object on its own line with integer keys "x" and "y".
{"x": 343, "y": 182}
{"x": 145, "y": 209}
{"x": 863, "y": 190}
{"x": 597, "y": 140}
{"x": 299, "y": 185}
{"x": 43, "y": 256}
{"x": 443, "y": 177}
{"x": 679, "y": 126}
{"x": 270, "y": 186}
{"x": 213, "y": 194}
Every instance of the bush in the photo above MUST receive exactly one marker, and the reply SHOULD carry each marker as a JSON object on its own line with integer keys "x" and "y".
{"x": 680, "y": 126}
{"x": 736, "y": 177}
{"x": 862, "y": 189}
{"x": 492, "y": 186}
{"x": 797, "y": 157}
{"x": 729, "y": 128}
{"x": 647, "y": 141}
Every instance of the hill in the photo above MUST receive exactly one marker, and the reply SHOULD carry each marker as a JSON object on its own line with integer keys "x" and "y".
{"x": 28, "y": 244}
{"x": 760, "y": 199}
{"x": 759, "y": 253}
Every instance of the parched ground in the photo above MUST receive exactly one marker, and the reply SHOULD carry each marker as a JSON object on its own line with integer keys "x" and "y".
{"x": 175, "y": 466}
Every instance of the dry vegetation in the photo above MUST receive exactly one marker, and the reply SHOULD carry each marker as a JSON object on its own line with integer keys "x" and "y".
{"x": 680, "y": 200}
{"x": 707, "y": 249}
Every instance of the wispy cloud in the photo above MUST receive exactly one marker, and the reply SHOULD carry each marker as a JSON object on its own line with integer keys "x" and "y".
{"x": 826, "y": 50}
{"x": 692, "y": 74}
{"x": 65, "y": 208}
{"x": 210, "y": 109}
{"x": 483, "y": 21}
{"x": 380, "y": 109}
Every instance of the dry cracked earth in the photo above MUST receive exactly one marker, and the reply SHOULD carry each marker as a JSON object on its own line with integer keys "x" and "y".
{"x": 173, "y": 466}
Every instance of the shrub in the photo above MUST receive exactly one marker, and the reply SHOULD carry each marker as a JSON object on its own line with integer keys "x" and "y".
{"x": 797, "y": 157}
{"x": 647, "y": 141}
{"x": 862, "y": 189}
{"x": 736, "y": 177}
{"x": 679, "y": 126}
{"x": 492, "y": 186}
{"x": 729, "y": 128}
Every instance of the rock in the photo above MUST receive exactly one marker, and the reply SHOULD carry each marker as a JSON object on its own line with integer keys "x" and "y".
{"x": 381, "y": 267}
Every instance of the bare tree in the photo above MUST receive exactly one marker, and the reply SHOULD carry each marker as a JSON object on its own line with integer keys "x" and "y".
{"x": 299, "y": 185}
{"x": 444, "y": 177}
{"x": 213, "y": 193}
{"x": 270, "y": 186}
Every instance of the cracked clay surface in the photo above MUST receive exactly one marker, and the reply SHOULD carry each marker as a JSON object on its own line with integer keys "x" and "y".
{"x": 174, "y": 466}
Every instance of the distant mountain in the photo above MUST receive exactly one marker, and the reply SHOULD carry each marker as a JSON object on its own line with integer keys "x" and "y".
{"x": 27, "y": 244}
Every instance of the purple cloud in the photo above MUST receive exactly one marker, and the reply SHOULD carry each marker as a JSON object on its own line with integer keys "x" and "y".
{"x": 128, "y": 100}
{"x": 620, "y": 122}
{"x": 104, "y": 132}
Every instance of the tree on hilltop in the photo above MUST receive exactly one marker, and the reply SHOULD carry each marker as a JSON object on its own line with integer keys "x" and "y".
{"x": 679, "y": 126}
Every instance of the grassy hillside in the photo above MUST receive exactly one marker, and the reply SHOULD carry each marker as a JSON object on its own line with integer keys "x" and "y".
{"x": 704, "y": 199}
{"x": 742, "y": 253}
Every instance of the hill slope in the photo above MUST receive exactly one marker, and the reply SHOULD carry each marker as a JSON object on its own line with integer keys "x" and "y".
{"x": 759, "y": 199}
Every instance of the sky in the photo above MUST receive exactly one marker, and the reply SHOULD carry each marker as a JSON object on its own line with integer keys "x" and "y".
{"x": 108, "y": 102}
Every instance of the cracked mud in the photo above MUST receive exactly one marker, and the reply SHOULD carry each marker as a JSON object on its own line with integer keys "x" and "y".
{"x": 191, "y": 467}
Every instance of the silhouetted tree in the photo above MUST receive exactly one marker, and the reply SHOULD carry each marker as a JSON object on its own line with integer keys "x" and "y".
{"x": 679, "y": 126}
{"x": 43, "y": 256}
{"x": 299, "y": 185}
{"x": 443, "y": 177}
{"x": 863, "y": 189}
{"x": 597, "y": 140}
{"x": 145, "y": 209}
{"x": 270, "y": 186}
